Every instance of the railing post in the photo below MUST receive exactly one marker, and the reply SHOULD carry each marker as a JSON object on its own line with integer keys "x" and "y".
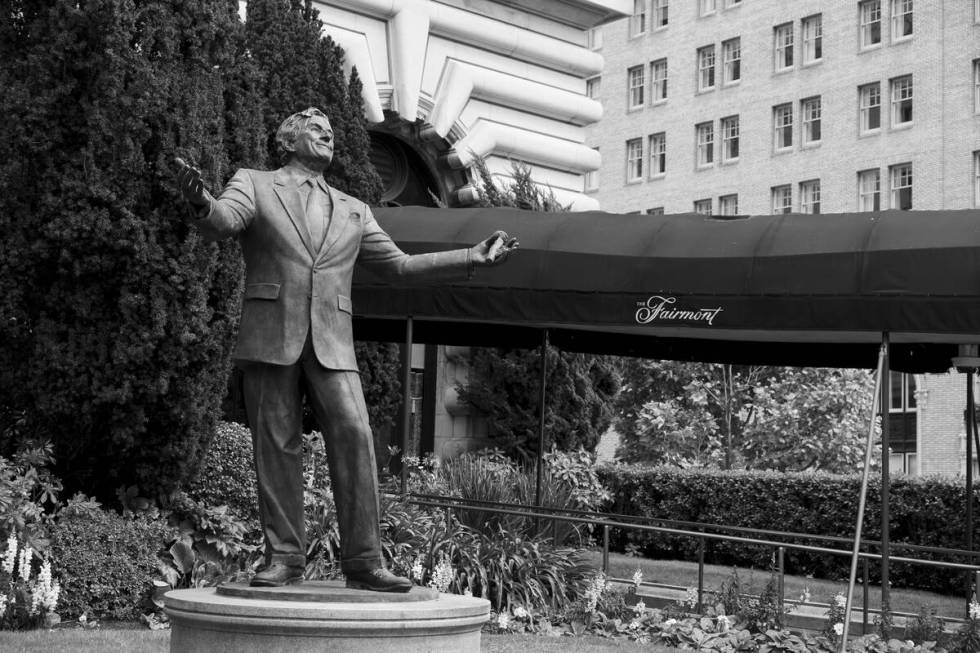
{"x": 781, "y": 566}
{"x": 701, "y": 545}
{"x": 866, "y": 605}
{"x": 605, "y": 549}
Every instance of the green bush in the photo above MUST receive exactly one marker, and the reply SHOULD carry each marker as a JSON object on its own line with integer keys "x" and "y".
{"x": 924, "y": 511}
{"x": 227, "y": 474}
{"x": 105, "y": 562}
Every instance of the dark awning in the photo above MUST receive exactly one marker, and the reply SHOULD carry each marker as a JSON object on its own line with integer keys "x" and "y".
{"x": 782, "y": 290}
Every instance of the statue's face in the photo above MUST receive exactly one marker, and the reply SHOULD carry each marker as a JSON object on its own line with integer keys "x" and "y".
{"x": 315, "y": 142}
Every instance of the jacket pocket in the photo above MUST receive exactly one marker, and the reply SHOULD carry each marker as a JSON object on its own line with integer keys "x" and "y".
{"x": 344, "y": 304}
{"x": 262, "y": 291}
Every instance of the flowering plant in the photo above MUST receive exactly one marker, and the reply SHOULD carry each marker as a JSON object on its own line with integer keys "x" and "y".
{"x": 26, "y": 599}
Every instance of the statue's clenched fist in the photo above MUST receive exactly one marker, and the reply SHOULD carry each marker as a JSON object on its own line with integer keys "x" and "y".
{"x": 190, "y": 183}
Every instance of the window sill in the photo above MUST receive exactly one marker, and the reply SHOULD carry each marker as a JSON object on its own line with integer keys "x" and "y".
{"x": 733, "y": 83}
{"x": 703, "y": 91}
{"x": 729, "y": 162}
{"x": 660, "y": 28}
{"x": 659, "y": 175}
{"x": 633, "y": 182}
{"x": 813, "y": 145}
{"x": 903, "y": 39}
{"x": 902, "y": 126}
{"x": 811, "y": 64}
{"x": 782, "y": 150}
{"x": 657, "y": 103}
{"x": 783, "y": 71}
{"x": 869, "y": 48}
{"x": 704, "y": 166}
{"x": 638, "y": 107}
{"x": 867, "y": 133}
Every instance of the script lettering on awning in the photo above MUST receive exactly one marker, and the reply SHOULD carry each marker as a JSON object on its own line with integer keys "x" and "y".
{"x": 661, "y": 309}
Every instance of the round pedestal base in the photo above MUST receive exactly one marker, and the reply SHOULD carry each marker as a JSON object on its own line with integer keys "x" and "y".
{"x": 319, "y": 617}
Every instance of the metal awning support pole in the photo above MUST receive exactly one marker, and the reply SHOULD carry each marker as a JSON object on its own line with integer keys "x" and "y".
{"x": 541, "y": 414}
{"x": 406, "y": 399}
{"x": 869, "y": 443}
{"x": 886, "y": 603}
{"x": 969, "y": 477}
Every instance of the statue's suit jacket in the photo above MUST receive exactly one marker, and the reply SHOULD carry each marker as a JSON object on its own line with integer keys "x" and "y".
{"x": 292, "y": 288}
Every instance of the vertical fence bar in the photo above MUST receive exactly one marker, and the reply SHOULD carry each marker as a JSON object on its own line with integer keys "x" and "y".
{"x": 406, "y": 400}
{"x": 541, "y": 415}
{"x": 969, "y": 480}
{"x": 869, "y": 443}
{"x": 701, "y": 545}
{"x": 781, "y": 566}
{"x": 886, "y": 603}
{"x": 865, "y": 599}
{"x": 605, "y": 549}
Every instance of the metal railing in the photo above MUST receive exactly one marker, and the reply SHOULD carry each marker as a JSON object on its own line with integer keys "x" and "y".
{"x": 779, "y": 541}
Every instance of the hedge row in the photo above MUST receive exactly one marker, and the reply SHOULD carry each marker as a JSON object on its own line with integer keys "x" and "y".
{"x": 923, "y": 511}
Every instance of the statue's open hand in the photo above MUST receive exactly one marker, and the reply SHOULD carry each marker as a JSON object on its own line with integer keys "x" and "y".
{"x": 190, "y": 183}
{"x": 494, "y": 249}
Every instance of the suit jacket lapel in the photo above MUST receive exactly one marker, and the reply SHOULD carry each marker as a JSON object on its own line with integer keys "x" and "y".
{"x": 339, "y": 220}
{"x": 289, "y": 196}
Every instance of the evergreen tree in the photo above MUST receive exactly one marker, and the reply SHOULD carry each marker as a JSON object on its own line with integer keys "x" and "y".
{"x": 504, "y": 384}
{"x": 117, "y": 319}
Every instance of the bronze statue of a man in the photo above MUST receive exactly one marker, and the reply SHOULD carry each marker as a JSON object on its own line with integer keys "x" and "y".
{"x": 300, "y": 239}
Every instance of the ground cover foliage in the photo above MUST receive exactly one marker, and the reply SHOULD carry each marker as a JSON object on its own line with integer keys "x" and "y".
{"x": 925, "y": 511}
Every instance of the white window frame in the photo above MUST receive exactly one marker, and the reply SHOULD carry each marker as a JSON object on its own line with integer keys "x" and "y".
{"x": 811, "y": 32}
{"x": 782, "y": 123}
{"x": 976, "y": 177}
{"x": 811, "y": 109}
{"x": 655, "y": 210}
{"x": 658, "y": 154}
{"x": 901, "y": 96}
{"x": 634, "y": 160}
{"x": 902, "y": 20}
{"x": 976, "y": 11}
{"x": 705, "y": 140}
{"x": 782, "y": 199}
{"x": 591, "y": 181}
{"x": 661, "y": 14}
{"x": 593, "y": 87}
{"x": 728, "y": 204}
{"x": 635, "y": 82}
{"x": 810, "y": 196}
{"x": 703, "y": 207}
{"x": 658, "y": 80}
{"x": 976, "y": 84}
{"x": 707, "y": 7}
{"x": 869, "y": 104}
{"x": 595, "y": 38}
{"x": 782, "y": 46}
{"x": 638, "y": 20}
{"x": 869, "y": 24}
{"x": 900, "y": 178}
{"x": 731, "y": 55}
{"x": 706, "y": 68}
{"x": 729, "y": 138}
{"x": 869, "y": 190}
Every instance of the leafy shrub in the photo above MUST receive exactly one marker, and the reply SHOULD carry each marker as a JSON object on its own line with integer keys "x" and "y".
{"x": 28, "y": 494}
{"x": 925, "y": 511}
{"x": 227, "y": 474}
{"x": 105, "y": 562}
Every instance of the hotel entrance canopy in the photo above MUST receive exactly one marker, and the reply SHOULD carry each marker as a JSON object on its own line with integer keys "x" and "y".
{"x": 805, "y": 290}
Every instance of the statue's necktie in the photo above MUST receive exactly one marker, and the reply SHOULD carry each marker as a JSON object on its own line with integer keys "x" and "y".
{"x": 316, "y": 218}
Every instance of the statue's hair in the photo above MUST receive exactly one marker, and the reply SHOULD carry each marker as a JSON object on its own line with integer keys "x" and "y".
{"x": 290, "y": 129}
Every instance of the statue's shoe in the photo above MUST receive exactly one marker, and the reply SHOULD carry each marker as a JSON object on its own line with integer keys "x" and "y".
{"x": 377, "y": 580}
{"x": 278, "y": 574}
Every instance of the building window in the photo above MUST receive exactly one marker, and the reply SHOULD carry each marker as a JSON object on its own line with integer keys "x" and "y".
{"x": 706, "y": 7}
{"x": 869, "y": 101}
{"x": 729, "y": 138}
{"x": 976, "y": 84}
{"x": 810, "y": 196}
{"x": 706, "y": 68}
{"x": 810, "y": 112}
{"x": 728, "y": 205}
{"x": 782, "y": 118}
{"x": 902, "y": 423}
{"x": 901, "y": 19}
{"x": 976, "y": 178}
{"x": 901, "y": 100}
{"x": 706, "y": 143}
{"x": 870, "y": 17}
{"x": 783, "y": 46}
{"x": 782, "y": 199}
{"x": 976, "y": 11}
{"x": 869, "y": 190}
{"x": 657, "y": 210}
{"x": 731, "y": 55}
{"x": 660, "y": 13}
{"x": 658, "y": 154}
{"x": 702, "y": 207}
{"x": 901, "y": 186}
{"x": 592, "y": 87}
{"x": 812, "y": 29}
{"x": 658, "y": 78}
{"x": 592, "y": 177}
{"x": 635, "y": 76}
{"x": 634, "y": 159}
{"x": 638, "y": 21}
{"x": 595, "y": 38}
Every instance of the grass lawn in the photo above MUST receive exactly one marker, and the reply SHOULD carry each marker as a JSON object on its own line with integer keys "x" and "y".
{"x": 158, "y": 641}
{"x": 685, "y": 574}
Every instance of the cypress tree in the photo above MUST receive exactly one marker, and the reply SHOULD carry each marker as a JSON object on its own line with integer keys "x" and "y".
{"x": 117, "y": 319}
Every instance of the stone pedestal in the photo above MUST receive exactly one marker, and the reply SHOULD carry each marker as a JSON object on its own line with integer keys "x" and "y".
{"x": 322, "y": 616}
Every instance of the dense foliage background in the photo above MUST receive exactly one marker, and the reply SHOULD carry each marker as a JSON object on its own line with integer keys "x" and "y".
{"x": 117, "y": 320}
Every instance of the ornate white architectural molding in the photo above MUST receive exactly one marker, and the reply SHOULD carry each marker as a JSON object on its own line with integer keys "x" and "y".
{"x": 357, "y": 54}
{"x": 506, "y": 140}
